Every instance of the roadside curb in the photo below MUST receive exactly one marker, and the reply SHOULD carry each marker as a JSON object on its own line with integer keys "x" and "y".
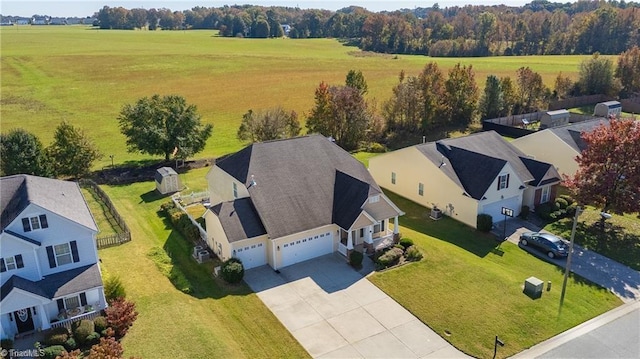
{"x": 577, "y": 331}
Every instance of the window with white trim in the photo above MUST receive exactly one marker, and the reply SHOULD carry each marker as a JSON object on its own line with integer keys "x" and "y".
{"x": 374, "y": 199}
{"x": 63, "y": 253}
{"x": 421, "y": 189}
{"x": 11, "y": 263}
{"x": 72, "y": 302}
{"x": 393, "y": 178}
{"x": 33, "y": 223}
{"x": 546, "y": 194}
{"x": 235, "y": 190}
{"x": 503, "y": 181}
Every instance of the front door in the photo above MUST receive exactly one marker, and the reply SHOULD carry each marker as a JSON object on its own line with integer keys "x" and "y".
{"x": 24, "y": 320}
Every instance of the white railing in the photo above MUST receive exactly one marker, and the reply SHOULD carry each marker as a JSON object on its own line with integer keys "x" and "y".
{"x": 203, "y": 233}
{"x": 67, "y": 322}
{"x": 194, "y": 197}
{"x": 342, "y": 249}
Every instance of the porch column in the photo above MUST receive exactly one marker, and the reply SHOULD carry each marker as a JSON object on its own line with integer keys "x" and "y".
{"x": 349, "y": 241}
{"x": 44, "y": 318}
{"x": 368, "y": 234}
{"x": 396, "y": 227}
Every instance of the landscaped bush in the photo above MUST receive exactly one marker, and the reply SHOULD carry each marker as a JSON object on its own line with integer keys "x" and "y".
{"x": 355, "y": 258}
{"x": 524, "y": 212}
{"x": 70, "y": 344}
{"x": 56, "y": 336}
{"x": 113, "y": 287}
{"x": 413, "y": 254}
{"x": 390, "y": 257}
{"x": 93, "y": 338}
{"x": 53, "y": 351}
{"x": 406, "y": 243}
{"x": 121, "y": 314}
{"x": 232, "y": 270}
{"x": 561, "y": 203}
{"x": 484, "y": 222}
{"x": 181, "y": 221}
{"x": 107, "y": 348}
{"x": 165, "y": 207}
{"x": 544, "y": 210}
{"x": 165, "y": 266}
{"x": 100, "y": 323}
{"x": 81, "y": 330}
{"x": 571, "y": 209}
{"x": 376, "y": 147}
{"x": 567, "y": 198}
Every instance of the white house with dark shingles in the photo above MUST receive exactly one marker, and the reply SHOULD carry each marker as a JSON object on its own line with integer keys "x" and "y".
{"x": 287, "y": 201}
{"x": 49, "y": 262}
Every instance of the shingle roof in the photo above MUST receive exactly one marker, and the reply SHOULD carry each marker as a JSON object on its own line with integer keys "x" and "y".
{"x": 539, "y": 170}
{"x": 61, "y": 197}
{"x": 349, "y": 195}
{"x": 239, "y": 219}
{"x": 296, "y": 182}
{"x": 571, "y": 133}
{"x": 58, "y": 284}
{"x": 163, "y": 172}
{"x": 473, "y": 162}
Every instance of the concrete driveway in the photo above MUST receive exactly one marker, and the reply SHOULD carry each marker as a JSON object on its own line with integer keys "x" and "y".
{"x": 621, "y": 280}
{"x": 334, "y": 312}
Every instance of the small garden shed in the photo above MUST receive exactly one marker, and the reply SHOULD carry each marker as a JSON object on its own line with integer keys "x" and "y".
{"x": 608, "y": 108}
{"x": 554, "y": 118}
{"x": 167, "y": 180}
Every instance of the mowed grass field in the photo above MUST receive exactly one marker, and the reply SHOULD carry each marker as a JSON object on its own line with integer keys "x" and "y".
{"x": 85, "y": 76}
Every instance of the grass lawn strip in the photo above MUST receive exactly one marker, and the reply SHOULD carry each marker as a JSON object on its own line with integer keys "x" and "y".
{"x": 472, "y": 288}
{"x": 211, "y": 321}
{"x": 105, "y": 221}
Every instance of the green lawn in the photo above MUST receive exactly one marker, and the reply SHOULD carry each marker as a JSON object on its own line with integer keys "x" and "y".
{"x": 620, "y": 240}
{"x": 471, "y": 287}
{"x": 213, "y": 321}
{"x": 104, "y": 220}
{"x": 85, "y": 76}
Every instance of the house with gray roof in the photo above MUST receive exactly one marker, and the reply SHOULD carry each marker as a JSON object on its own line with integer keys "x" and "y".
{"x": 287, "y": 201}
{"x": 49, "y": 272}
{"x": 559, "y": 145}
{"x": 467, "y": 176}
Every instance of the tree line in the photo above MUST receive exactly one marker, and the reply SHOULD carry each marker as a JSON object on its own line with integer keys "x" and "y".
{"x": 538, "y": 28}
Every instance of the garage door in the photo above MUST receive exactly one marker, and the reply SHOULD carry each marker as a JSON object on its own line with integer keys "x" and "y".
{"x": 252, "y": 256}
{"x": 303, "y": 249}
{"x": 495, "y": 209}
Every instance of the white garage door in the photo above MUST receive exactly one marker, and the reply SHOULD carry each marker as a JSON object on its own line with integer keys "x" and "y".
{"x": 495, "y": 209}
{"x": 303, "y": 249}
{"x": 254, "y": 255}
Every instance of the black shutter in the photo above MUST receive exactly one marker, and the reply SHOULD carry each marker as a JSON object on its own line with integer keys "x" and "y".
{"x": 19, "y": 262}
{"x": 3, "y": 268}
{"x": 43, "y": 221}
{"x": 83, "y": 299}
{"x": 52, "y": 257}
{"x": 507, "y": 180}
{"x": 498, "y": 188}
{"x": 60, "y": 305}
{"x": 33, "y": 310}
{"x": 74, "y": 252}
{"x": 10, "y": 317}
{"x": 26, "y": 226}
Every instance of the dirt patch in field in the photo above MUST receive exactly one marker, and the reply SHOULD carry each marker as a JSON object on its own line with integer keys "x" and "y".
{"x": 142, "y": 173}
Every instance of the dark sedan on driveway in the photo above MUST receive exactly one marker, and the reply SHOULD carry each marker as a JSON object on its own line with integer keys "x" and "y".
{"x": 552, "y": 245}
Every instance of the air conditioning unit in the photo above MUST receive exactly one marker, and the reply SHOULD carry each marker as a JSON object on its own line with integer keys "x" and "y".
{"x": 203, "y": 256}
{"x": 436, "y": 214}
{"x": 197, "y": 249}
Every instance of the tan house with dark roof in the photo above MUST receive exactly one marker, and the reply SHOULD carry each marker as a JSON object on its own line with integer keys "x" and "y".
{"x": 287, "y": 201}
{"x": 467, "y": 176}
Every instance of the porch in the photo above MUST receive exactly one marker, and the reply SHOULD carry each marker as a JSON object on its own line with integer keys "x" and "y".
{"x": 368, "y": 239}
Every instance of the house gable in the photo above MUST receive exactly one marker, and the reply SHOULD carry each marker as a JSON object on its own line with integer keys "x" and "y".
{"x": 17, "y": 299}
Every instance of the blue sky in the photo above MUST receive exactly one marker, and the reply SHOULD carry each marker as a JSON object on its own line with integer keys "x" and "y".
{"x": 83, "y": 8}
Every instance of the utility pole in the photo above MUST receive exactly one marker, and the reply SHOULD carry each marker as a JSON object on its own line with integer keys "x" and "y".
{"x": 568, "y": 266}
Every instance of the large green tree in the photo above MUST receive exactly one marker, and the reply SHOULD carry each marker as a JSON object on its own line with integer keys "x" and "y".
{"x": 530, "y": 90}
{"x": 72, "y": 152}
{"x": 492, "y": 101}
{"x": 272, "y": 124}
{"x": 596, "y": 76}
{"x": 628, "y": 70}
{"x": 340, "y": 112}
{"x": 356, "y": 80}
{"x": 164, "y": 126}
{"x": 461, "y": 95}
{"x": 21, "y": 152}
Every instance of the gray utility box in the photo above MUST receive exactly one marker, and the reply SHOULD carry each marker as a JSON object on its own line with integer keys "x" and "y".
{"x": 533, "y": 287}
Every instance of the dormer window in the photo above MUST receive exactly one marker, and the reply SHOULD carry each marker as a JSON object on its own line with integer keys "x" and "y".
{"x": 32, "y": 223}
{"x": 503, "y": 181}
{"x": 374, "y": 199}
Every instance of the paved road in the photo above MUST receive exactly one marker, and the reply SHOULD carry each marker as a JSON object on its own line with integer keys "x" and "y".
{"x": 619, "y": 279}
{"x": 334, "y": 312}
{"x": 615, "y": 334}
